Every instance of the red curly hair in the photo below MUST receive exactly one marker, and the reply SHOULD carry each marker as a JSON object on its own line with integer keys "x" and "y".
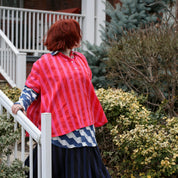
{"x": 62, "y": 35}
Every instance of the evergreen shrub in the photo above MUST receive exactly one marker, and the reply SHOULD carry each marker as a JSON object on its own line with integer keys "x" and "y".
{"x": 7, "y": 139}
{"x": 134, "y": 143}
{"x": 126, "y": 15}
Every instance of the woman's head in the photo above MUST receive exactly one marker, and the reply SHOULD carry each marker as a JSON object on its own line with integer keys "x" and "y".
{"x": 63, "y": 34}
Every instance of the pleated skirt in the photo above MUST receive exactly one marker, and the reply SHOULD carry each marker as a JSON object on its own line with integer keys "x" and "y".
{"x": 80, "y": 162}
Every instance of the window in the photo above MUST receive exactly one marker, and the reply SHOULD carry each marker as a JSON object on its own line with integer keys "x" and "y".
{"x": 10, "y": 3}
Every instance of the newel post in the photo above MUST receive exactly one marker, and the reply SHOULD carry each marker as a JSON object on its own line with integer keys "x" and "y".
{"x": 46, "y": 145}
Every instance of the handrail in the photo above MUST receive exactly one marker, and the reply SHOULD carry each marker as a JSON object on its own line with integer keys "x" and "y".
{"x": 42, "y": 138}
{"x": 9, "y": 43}
{"x": 21, "y": 118}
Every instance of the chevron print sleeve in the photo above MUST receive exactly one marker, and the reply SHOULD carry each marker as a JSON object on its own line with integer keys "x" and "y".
{"x": 27, "y": 97}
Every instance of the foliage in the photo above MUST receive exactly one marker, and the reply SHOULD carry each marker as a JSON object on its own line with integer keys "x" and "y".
{"x": 95, "y": 57}
{"x": 7, "y": 139}
{"x": 148, "y": 150}
{"x": 117, "y": 103}
{"x": 12, "y": 93}
{"x": 134, "y": 143}
{"x": 15, "y": 170}
{"x": 145, "y": 61}
{"x": 130, "y": 15}
{"x": 7, "y": 134}
{"x": 127, "y": 15}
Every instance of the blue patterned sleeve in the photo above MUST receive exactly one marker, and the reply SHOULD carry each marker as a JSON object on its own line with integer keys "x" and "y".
{"x": 27, "y": 97}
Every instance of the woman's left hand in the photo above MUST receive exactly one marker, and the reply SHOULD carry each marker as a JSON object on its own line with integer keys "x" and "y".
{"x": 16, "y": 108}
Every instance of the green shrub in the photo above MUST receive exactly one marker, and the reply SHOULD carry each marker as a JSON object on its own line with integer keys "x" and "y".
{"x": 7, "y": 134}
{"x": 123, "y": 108}
{"x": 15, "y": 170}
{"x": 136, "y": 144}
{"x": 7, "y": 139}
{"x": 148, "y": 150}
{"x": 12, "y": 93}
{"x": 145, "y": 61}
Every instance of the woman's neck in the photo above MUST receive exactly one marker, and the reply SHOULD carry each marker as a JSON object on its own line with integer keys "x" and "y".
{"x": 66, "y": 52}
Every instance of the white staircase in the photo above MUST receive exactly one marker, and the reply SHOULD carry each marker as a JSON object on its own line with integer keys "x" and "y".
{"x": 12, "y": 62}
{"x": 41, "y": 138}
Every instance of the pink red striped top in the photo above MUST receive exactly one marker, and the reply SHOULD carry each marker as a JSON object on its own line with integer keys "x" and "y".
{"x": 66, "y": 91}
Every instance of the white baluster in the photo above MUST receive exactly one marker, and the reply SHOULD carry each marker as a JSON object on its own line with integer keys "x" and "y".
{"x": 33, "y": 34}
{"x": 29, "y": 30}
{"x": 21, "y": 29}
{"x": 25, "y": 30}
{"x": 31, "y": 156}
{"x": 15, "y": 146}
{"x": 22, "y": 144}
{"x": 17, "y": 28}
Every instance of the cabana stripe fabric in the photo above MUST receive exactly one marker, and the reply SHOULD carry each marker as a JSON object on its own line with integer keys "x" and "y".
{"x": 66, "y": 91}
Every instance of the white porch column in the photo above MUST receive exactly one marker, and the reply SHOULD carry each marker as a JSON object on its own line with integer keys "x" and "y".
{"x": 100, "y": 19}
{"x": 20, "y": 70}
{"x": 88, "y": 10}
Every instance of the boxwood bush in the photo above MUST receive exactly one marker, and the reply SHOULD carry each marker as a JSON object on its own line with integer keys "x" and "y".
{"x": 136, "y": 142}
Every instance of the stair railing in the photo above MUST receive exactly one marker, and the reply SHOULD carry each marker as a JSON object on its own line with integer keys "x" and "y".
{"x": 42, "y": 138}
{"x": 26, "y": 28}
{"x": 12, "y": 62}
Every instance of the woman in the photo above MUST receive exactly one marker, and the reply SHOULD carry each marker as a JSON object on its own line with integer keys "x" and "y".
{"x": 60, "y": 83}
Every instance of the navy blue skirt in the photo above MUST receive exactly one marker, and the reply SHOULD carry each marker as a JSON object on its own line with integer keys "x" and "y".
{"x": 82, "y": 162}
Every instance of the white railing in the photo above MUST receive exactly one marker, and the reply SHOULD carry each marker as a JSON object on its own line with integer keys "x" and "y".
{"x": 26, "y": 28}
{"x": 12, "y": 63}
{"x": 42, "y": 138}
{"x": 23, "y": 30}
